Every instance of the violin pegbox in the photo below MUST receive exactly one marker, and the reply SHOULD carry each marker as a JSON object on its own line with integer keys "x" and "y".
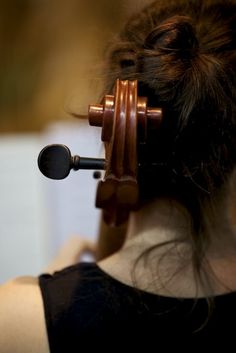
{"x": 126, "y": 121}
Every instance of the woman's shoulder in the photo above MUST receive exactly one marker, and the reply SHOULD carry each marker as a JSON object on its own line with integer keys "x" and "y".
{"x": 22, "y": 323}
{"x": 22, "y": 311}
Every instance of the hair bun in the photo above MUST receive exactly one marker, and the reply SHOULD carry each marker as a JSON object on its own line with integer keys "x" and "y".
{"x": 176, "y": 34}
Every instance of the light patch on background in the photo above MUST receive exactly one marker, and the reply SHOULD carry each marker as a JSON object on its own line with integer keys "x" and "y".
{"x": 37, "y": 215}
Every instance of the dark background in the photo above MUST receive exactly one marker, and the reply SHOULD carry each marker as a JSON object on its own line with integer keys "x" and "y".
{"x": 51, "y": 57}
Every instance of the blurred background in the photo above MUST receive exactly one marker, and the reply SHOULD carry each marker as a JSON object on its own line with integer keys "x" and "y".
{"x": 51, "y": 64}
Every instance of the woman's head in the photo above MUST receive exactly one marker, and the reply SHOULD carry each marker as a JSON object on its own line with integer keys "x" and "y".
{"x": 183, "y": 55}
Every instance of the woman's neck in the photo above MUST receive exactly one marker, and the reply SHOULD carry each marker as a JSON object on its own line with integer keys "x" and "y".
{"x": 162, "y": 216}
{"x": 159, "y": 248}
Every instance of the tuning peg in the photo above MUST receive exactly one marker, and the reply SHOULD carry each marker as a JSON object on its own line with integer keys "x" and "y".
{"x": 55, "y": 162}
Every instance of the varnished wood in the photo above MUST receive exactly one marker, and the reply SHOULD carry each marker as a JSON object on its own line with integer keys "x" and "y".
{"x": 125, "y": 120}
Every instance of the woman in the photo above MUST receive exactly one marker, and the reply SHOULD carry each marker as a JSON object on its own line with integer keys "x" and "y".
{"x": 174, "y": 276}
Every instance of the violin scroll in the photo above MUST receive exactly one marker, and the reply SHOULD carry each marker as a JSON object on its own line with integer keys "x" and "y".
{"x": 126, "y": 122}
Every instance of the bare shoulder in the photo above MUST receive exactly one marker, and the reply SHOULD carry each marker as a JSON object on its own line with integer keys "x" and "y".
{"x": 22, "y": 323}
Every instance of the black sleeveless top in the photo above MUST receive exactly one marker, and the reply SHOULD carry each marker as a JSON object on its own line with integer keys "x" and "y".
{"x": 86, "y": 308}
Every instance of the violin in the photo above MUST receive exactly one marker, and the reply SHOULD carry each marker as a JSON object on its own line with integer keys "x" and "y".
{"x": 126, "y": 122}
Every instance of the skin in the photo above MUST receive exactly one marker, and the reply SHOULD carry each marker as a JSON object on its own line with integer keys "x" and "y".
{"x": 22, "y": 323}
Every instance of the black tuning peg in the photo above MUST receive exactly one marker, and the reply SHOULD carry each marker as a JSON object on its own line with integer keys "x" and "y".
{"x": 55, "y": 162}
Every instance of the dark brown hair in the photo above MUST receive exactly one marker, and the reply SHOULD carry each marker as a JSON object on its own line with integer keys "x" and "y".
{"x": 183, "y": 55}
